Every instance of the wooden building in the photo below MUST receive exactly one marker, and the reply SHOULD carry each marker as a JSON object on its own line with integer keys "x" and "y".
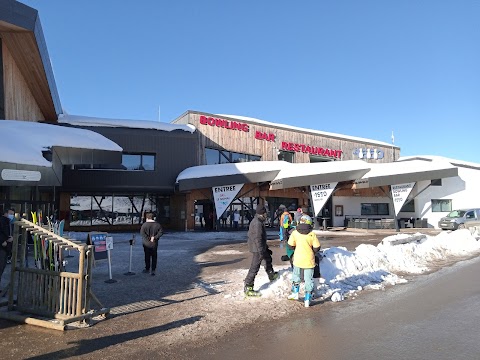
{"x": 233, "y": 139}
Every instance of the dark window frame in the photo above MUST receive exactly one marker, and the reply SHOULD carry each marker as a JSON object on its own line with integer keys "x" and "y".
{"x": 376, "y": 209}
{"x": 441, "y": 203}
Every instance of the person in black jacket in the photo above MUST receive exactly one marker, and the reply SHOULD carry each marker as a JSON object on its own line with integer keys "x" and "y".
{"x": 6, "y": 238}
{"x": 150, "y": 232}
{"x": 257, "y": 245}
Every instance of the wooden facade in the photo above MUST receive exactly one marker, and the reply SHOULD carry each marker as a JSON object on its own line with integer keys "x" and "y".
{"x": 20, "y": 103}
{"x": 266, "y": 140}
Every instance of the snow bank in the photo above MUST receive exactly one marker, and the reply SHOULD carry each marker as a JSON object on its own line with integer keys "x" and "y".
{"x": 344, "y": 273}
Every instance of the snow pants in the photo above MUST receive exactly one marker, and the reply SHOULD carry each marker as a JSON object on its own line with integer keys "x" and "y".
{"x": 255, "y": 266}
{"x": 307, "y": 276}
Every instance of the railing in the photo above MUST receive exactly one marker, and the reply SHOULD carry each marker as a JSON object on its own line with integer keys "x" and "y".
{"x": 48, "y": 290}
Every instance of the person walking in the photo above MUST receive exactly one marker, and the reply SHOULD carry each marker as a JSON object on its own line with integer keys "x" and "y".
{"x": 6, "y": 238}
{"x": 285, "y": 222}
{"x": 151, "y": 231}
{"x": 257, "y": 245}
{"x": 305, "y": 244}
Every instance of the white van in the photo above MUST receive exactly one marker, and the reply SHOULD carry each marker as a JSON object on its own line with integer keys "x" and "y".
{"x": 460, "y": 219}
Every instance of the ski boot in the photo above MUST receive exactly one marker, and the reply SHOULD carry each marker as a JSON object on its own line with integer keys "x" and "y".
{"x": 307, "y": 299}
{"x": 294, "y": 294}
{"x": 273, "y": 275}
{"x": 249, "y": 292}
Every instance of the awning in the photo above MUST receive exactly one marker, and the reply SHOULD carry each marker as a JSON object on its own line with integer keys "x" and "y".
{"x": 298, "y": 175}
{"x": 206, "y": 176}
{"x": 401, "y": 172}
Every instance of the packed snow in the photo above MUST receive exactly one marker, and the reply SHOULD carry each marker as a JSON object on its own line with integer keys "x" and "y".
{"x": 344, "y": 273}
{"x": 24, "y": 141}
{"x": 77, "y": 120}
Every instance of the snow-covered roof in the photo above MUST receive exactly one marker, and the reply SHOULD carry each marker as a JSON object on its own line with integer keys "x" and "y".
{"x": 400, "y": 172}
{"x": 455, "y": 162}
{"x": 23, "y": 141}
{"x": 204, "y": 176}
{"x": 304, "y": 174}
{"x": 77, "y": 120}
{"x": 311, "y": 131}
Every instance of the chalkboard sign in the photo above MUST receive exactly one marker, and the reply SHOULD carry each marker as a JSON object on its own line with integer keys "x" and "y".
{"x": 99, "y": 241}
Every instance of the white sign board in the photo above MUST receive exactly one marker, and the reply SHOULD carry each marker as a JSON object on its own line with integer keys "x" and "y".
{"x": 109, "y": 242}
{"x": 320, "y": 194}
{"x": 400, "y": 194}
{"x": 361, "y": 184}
{"x": 223, "y": 196}
{"x": 21, "y": 175}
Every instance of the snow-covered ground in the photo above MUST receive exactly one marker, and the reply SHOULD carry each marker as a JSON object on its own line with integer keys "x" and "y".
{"x": 344, "y": 273}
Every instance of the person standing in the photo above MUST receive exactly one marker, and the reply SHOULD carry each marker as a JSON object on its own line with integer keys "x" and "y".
{"x": 236, "y": 219}
{"x": 151, "y": 231}
{"x": 285, "y": 221}
{"x": 257, "y": 245}
{"x": 305, "y": 244}
{"x": 6, "y": 238}
{"x": 298, "y": 214}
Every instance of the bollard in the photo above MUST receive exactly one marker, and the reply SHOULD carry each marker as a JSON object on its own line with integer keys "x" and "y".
{"x": 109, "y": 245}
{"x": 132, "y": 242}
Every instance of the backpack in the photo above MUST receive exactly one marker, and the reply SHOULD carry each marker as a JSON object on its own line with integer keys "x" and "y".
{"x": 286, "y": 222}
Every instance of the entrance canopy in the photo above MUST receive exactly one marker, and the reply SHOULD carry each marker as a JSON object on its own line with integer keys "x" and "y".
{"x": 205, "y": 176}
{"x": 297, "y": 175}
{"x": 401, "y": 172}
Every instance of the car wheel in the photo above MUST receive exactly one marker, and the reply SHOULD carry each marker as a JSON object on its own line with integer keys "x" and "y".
{"x": 461, "y": 226}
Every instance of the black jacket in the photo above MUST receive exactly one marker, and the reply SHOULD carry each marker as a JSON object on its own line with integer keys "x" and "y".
{"x": 149, "y": 229}
{"x": 257, "y": 236}
{"x": 5, "y": 233}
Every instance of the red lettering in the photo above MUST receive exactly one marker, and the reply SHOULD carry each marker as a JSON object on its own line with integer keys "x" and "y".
{"x": 308, "y": 149}
{"x": 211, "y": 121}
{"x": 271, "y": 137}
{"x": 245, "y": 127}
{"x": 284, "y": 145}
{"x": 291, "y": 146}
{"x": 219, "y": 123}
{"x": 314, "y": 150}
{"x": 338, "y": 153}
{"x": 327, "y": 153}
{"x": 297, "y": 147}
{"x": 203, "y": 120}
{"x": 258, "y": 135}
{"x": 303, "y": 147}
{"x": 320, "y": 151}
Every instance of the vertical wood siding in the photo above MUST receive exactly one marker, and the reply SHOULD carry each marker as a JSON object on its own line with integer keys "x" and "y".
{"x": 19, "y": 101}
{"x": 219, "y": 137}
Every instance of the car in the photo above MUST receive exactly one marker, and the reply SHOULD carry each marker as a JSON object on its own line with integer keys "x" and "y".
{"x": 460, "y": 219}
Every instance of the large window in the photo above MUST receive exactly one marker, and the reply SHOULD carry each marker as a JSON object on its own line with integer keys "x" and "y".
{"x": 111, "y": 209}
{"x": 441, "y": 205}
{"x": 315, "y": 159}
{"x": 375, "y": 209}
{"x": 409, "y": 206}
{"x": 138, "y": 162}
{"x": 286, "y": 156}
{"x": 215, "y": 156}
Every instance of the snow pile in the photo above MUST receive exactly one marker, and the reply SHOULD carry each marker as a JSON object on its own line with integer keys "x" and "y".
{"x": 344, "y": 273}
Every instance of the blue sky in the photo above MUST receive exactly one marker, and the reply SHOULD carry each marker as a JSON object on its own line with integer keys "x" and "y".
{"x": 356, "y": 67}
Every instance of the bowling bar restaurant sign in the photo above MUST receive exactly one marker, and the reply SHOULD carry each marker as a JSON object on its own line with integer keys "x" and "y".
{"x": 259, "y": 135}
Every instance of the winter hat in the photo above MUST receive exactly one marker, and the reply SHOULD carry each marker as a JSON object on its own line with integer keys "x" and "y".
{"x": 261, "y": 210}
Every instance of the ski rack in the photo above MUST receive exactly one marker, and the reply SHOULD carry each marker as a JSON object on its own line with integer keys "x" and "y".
{"x": 45, "y": 297}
